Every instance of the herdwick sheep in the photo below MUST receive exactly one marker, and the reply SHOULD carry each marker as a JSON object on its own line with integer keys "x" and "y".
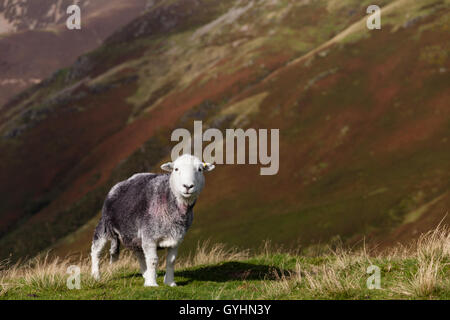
{"x": 148, "y": 212}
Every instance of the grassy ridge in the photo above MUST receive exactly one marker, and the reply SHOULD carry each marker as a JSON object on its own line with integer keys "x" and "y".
{"x": 420, "y": 271}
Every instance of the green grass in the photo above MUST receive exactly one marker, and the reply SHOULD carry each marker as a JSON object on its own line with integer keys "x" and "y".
{"x": 214, "y": 272}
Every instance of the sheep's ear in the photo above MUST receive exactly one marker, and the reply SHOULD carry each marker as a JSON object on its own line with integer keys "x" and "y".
{"x": 208, "y": 166}
{"x": 167, "y": 166}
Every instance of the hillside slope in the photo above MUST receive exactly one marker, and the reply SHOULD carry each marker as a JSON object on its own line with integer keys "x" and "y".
{"x": 34, "y": 40}
{"x": 363, "y": 117}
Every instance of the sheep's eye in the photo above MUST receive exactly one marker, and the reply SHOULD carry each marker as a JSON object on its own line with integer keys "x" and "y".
{"x": 200, "y": 169}
{"x": 176, "y": 169}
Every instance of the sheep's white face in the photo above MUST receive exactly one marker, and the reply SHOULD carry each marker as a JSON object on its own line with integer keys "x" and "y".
{"x": 186, "y": 179}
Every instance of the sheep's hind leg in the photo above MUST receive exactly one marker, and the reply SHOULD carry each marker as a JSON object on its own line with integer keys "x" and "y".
{"x": 96, "y": 249}
{"x": 114, "y": 250}
{"x": 141, "y": 258}
{"x": 151, "y": 260}
{"x": 170, "y": 261}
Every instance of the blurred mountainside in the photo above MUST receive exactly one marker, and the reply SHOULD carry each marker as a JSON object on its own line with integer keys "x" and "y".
{"x": 35, "y": 42}
{"x": 364, "y": 123}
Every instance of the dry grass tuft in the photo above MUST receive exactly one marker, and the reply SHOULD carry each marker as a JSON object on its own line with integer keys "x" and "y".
{"x": 343, "y": 272}
{"x": 432, "y": 252}
{"x": 44, "y": 272}
{"x": 207, "y": 253}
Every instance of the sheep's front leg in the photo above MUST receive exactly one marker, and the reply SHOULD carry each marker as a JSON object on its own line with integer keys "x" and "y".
{"x": 151, "y": 260}
{"x": 170, "y": 261}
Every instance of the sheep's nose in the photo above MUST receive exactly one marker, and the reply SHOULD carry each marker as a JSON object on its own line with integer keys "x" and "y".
{"x": 188, "y": 187}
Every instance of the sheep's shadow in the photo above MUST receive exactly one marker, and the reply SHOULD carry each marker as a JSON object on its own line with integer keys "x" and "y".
{"x": 132, "y": 275}
{"x": 231, "y": 271}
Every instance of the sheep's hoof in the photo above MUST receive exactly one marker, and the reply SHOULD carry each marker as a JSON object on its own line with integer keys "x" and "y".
{"x": 171, "y": 284}
{"x": 96, "y": 275}
{"x": 150, "y": 284}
